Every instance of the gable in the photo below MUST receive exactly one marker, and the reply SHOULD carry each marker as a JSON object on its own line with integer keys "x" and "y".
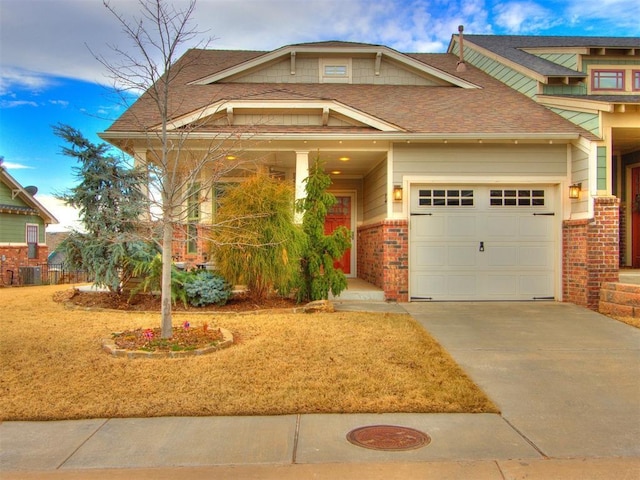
{"x": 357, "y": 64}
{"x": 14, "y": 199}
{"x": 360, "y": 71}
{"x": 291, "y": 114}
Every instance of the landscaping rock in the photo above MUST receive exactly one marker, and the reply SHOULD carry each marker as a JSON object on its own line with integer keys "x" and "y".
{"x": 319, "y": 306}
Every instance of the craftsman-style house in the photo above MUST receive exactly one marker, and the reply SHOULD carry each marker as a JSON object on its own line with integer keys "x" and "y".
{"x": 22, "y": 232}
{"x": 455, "y": 185}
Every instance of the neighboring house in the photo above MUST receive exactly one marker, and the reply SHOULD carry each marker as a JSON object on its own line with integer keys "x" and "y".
{"x": 595, "y": 83}
{"x": 23, "y": 220}
{"x": 456, "y": 186}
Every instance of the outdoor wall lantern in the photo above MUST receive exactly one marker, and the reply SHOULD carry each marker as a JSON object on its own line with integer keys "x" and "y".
{"x": 397, "y": 193}
{"x": 574, "y": 190}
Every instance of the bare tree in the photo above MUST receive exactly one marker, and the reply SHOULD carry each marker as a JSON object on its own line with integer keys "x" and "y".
{"x": 158, "y": 39}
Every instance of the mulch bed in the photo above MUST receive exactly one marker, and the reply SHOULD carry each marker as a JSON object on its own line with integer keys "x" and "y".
{"x": 151, "y": 303}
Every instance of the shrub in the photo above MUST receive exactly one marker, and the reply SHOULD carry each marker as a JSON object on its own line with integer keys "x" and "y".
{"x": 204, "y": 288}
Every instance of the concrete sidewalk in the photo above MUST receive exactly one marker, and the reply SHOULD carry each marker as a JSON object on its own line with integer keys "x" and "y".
{"x": 566, "y": 379}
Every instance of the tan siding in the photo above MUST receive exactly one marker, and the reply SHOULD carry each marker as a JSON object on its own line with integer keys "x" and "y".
{"x": 469, "y": 160}
{"x": 308, "y": 71}
{"x": 580, "y": 174}
{"x": 375, "y": 191}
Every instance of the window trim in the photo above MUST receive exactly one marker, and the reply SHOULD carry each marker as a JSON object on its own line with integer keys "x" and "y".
{"x": 32, "y": 247}
{"x": 595, "y": 73}
{"x": 335, "y": 78}
{"x": 635, "y": 80}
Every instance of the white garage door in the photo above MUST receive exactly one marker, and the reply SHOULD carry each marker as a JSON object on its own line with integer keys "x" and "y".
{"x": 482, "y": 242}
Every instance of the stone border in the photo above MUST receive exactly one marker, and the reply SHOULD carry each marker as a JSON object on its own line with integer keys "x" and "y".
{"x": 110, "y": 347}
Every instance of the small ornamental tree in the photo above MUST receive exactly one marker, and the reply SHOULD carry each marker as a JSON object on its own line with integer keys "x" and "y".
{"x": 255, "y": 241}
{"x": 319, "y": 276}
{"x": 109, "y": 202}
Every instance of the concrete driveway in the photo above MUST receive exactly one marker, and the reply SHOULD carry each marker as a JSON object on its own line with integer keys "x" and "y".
{"x": 566, "y": 378}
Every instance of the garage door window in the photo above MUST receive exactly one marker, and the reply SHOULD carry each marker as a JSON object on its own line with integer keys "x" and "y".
{"x": 445, "y": 198}
{"x": 513, "y": 197}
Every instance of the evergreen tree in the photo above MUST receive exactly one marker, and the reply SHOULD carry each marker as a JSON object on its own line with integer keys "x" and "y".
{"x": 319, "y": 276}
{"x": 255, "y": 239}
{"x": 110, "y": 203}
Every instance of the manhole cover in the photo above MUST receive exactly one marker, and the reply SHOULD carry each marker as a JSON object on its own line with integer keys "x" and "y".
{"x": 388, "y": 437}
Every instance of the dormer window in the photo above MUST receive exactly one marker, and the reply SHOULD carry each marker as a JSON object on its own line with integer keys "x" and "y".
{"x": 335, "y": 70}
{"x": 607, "y": 79}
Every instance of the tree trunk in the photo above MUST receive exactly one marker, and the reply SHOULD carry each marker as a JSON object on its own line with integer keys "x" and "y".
{"x": 165, "y": 312}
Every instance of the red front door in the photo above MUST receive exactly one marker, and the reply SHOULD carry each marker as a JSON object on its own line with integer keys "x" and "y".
{"x": 635, "y": 217}
{"x": 340, "y": 215}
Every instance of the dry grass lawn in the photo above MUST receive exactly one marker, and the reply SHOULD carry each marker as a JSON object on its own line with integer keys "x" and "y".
{"x": 53, "y": 367}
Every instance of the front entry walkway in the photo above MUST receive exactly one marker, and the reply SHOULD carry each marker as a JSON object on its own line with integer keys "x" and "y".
{"x": 566, "y": 378}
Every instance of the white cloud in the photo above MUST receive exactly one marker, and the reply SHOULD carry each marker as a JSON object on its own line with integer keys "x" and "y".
{"x": 524, "y": 17}
{"x": 14, "y": 165}
{"x": 17, "y": 103}
{"x": 67, "y": 216}
{"x": 18, "y": 79}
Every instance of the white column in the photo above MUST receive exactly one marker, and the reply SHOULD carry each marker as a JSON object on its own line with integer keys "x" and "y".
{"x": 302, "y": 172}
{"x": 140, "y": 161}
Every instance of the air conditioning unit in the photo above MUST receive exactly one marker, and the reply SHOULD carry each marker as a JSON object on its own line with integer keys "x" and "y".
{"x": 31, "y": 275}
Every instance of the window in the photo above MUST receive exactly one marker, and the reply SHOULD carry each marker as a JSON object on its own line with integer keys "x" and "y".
{"x": 193, "y": 218}
{"x": 335, "y": 70}
{"x": 607, "y": 79}
{"x": 445, "y": 198}
{"x": 636, "y": 80}
{"x": 32, "y": 241}
{"x": 513, "y": 197}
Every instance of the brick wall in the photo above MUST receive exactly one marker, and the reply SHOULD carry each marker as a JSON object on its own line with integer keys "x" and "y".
{"x": 591, "y": 253}
{"x": 16, "y": 257}
{"x": 383, "y": 257}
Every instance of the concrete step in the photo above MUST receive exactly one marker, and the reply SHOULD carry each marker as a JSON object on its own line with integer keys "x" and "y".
{"x": 620, "y": 299}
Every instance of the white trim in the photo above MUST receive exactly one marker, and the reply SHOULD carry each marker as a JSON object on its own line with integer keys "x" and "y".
{"x": 321, "y": 106}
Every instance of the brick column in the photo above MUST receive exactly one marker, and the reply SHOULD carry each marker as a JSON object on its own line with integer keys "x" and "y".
{"x": 590, "y": 253}
{"x": 383, "y": 257}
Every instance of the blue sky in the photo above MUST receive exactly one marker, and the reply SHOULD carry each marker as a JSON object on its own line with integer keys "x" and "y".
{"x": 48, "y": 73}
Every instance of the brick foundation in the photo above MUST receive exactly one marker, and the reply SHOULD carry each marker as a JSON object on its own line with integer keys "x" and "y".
{"x": 383, "y": 257}
{"x": 591, "y": 253}
{"x": 16, "y": 257}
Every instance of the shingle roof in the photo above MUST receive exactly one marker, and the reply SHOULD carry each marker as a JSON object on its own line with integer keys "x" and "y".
{"x": 494, "y": 108}
{"x": 511, "y": 47}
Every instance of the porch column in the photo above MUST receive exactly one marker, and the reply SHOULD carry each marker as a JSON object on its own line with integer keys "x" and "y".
{"x": 302, "y": 172}
{"x": 140, "y": 161}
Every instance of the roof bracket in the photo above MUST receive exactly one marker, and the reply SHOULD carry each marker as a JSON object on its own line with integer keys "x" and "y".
{"x": 378, "y": 62}
{"x": 230, "y": 115}
{"x": 325, "y": 116}
{"x": 14, "y": 193}
{"x": 293, "y": 63}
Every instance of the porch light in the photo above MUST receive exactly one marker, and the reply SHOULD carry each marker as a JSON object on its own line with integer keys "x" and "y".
{"x": 397, "y": 193}
{"x": 574, "y": 190}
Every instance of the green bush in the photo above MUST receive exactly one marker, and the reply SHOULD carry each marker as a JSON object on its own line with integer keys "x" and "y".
{"x": 204, "y": 288}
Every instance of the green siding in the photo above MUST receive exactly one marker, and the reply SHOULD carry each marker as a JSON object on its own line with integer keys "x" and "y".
{"x": 516, "y": 80}
{"x": 5, "y": 197}
{"x": 13, "y": 230}
{"x": 579, "y": 89}
{"x": 588, "y": 121}
{"x": 602, "y": 168}
{"x": 569, "y": 60}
